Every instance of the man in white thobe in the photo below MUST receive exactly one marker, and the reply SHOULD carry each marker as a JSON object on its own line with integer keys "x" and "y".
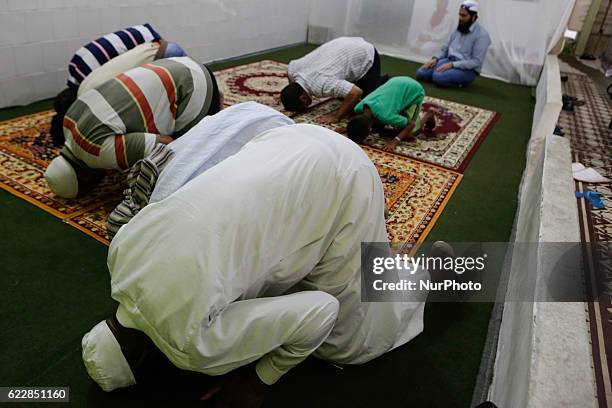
{"x": 255, "y": 260}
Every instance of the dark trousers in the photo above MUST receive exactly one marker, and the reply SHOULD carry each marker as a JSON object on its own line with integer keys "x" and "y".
{"x": 371, "y": 80}
{"x": 452, "y": 78}
{"x": 215, "y": 103}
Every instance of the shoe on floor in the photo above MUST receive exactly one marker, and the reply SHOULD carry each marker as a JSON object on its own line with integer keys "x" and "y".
{"x": 573, "y": 99}
{"x": 441, "y": 249}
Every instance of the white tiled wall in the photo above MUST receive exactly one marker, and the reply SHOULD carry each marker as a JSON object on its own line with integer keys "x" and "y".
{"x": 38, "y": 37}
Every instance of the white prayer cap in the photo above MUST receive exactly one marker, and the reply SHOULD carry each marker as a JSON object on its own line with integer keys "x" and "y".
{"x": 104, "y": 360}
{"x": 470, "y": 5}
{"x": 62, "y": 178}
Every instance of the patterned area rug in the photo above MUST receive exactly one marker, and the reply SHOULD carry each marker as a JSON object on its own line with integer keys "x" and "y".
{"x": 25, "y": 152}
{"x": 415, "y": 194}
{"x": 461, "y": 130}
{"x": 259, "y": 81}
{"x": 591, "y": 141}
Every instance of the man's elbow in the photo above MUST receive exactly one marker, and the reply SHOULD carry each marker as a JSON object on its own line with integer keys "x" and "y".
{"x": 355, "y": 93}
{"x": 358, "y": 92}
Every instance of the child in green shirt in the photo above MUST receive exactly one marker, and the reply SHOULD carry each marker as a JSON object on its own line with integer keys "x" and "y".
{"x": 396, "y": 103}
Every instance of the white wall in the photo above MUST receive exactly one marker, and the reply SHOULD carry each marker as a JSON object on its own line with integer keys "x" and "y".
{"x": 38, "y": 37}
{"x": 579, "y": 14}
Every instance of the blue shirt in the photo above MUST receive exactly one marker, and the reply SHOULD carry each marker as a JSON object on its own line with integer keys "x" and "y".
{"x": 467, "y": 51}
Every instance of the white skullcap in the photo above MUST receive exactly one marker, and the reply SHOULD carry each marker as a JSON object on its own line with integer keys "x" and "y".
{"x": 104, "y": 360}
{"x": 470, "y": 5}
{"x": 62, "y": 178}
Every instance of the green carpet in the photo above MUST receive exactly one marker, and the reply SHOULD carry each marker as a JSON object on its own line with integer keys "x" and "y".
{"x": 56, "y": 286}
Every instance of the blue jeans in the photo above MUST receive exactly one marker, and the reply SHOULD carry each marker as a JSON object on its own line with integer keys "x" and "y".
{"x": 453, "y": 77}
{"x": 174, "y": 50}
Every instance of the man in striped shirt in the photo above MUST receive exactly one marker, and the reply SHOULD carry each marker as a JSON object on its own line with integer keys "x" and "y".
{"x": 347, "y": 67}
{"x": 121, "y": 121}
{"x": 140, "y": 39}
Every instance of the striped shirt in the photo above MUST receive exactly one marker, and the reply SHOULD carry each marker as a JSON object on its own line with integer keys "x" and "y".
{"x": 103, "y": 49}
{"x": 141, "y": 181}
{"x": 120, "y": 122}
{"x": 331, "y": 69}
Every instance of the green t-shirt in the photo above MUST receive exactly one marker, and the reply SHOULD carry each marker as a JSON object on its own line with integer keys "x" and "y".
{"x": 396, "y": 102}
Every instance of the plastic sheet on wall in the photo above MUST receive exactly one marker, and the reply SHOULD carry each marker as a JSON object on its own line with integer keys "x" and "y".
{"x": 522, "y": 31}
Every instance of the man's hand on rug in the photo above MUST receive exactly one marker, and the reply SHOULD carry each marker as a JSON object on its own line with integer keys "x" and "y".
{"x": 327, "y": 119}
{"x": 444, "y": 67}
{"x": 391, "y": 145}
